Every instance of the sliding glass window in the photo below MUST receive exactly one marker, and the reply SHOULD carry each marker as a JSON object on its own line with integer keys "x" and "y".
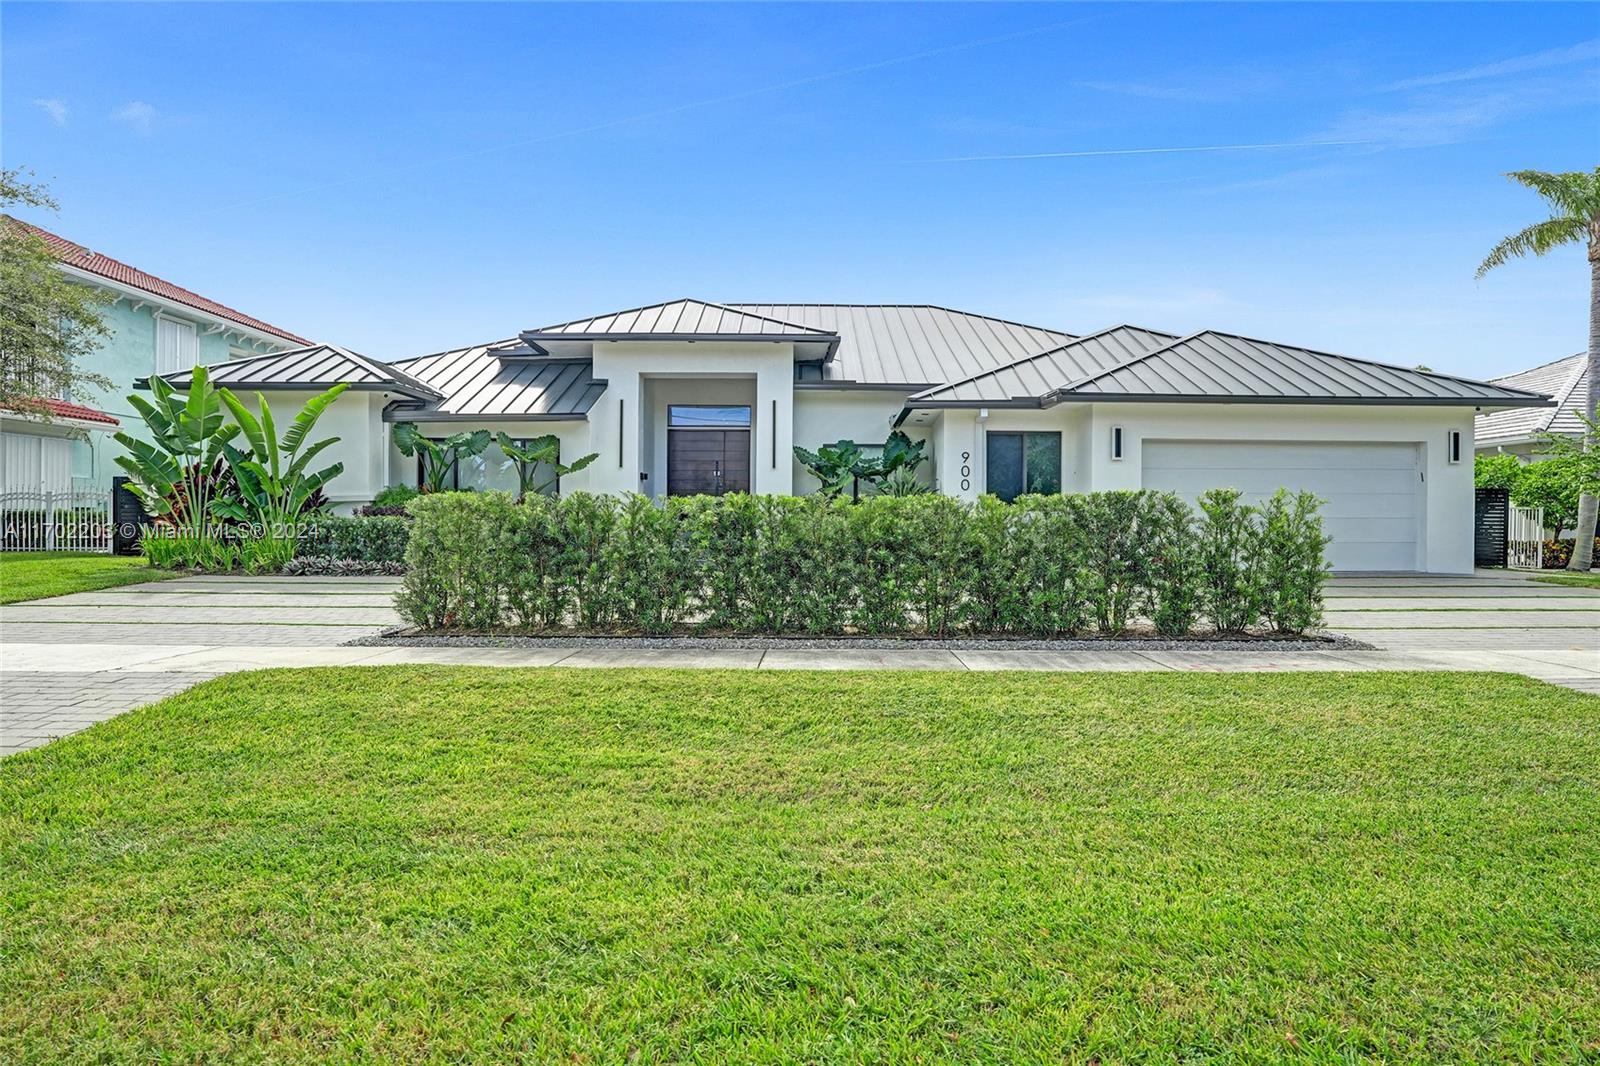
{"x": 1023, "y": 463}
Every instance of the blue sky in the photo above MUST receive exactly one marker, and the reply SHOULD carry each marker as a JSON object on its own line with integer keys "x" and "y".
{"x": 401, "y": 179}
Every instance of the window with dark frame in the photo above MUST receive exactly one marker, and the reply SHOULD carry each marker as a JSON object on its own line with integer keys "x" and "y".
{"x": 1021, "y": 464}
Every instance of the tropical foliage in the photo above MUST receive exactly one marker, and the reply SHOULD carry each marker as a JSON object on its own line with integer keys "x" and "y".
{"x": 219, "y": 506}
{"x": 841, "y": 465}
{"x": 439, "y": 457}
{"x": 541, "y": 455}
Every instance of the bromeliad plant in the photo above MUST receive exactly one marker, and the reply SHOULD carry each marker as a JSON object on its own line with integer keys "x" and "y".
{"x": 274, "y": 482}
{"x": 439, "y": 457}
{"x": 531, "y": 455}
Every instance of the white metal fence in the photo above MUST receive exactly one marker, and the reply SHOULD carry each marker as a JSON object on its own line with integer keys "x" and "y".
{"x": 1525, "y": 538}
{"x": 77, "y": 521}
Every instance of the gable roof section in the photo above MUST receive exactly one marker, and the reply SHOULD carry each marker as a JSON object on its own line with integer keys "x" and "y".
{"x": 477, "y": 384}
{"x": 908, "y": 344}
{"x": 1028, "y": 381}
{"x": 1565, "y": 380}
{"x": 76, "y": 255}
{"x": 685, "y": 319}
{"x": 1226, "y": 368}
{"x": 316, "y": 366}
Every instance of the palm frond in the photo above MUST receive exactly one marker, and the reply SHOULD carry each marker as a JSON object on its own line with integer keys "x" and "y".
{"x": 1537, "y": 239}
{"x": 1574, "y": 192}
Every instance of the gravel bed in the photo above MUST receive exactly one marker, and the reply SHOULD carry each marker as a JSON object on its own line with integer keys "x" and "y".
{"x": 412, "y": 638}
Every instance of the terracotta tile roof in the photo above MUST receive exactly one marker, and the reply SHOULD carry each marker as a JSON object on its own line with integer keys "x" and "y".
{"x": 77, "y": 255}
{"x": 63, "y": 409}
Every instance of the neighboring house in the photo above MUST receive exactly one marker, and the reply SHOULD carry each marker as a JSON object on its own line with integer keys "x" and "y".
{"x": 1517, "y": 431}
{"x": 694, "y": 397}
{"x": 153, "y": 327}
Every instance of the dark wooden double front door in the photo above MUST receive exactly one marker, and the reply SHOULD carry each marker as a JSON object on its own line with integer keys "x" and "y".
{"x": 707, "y": 462}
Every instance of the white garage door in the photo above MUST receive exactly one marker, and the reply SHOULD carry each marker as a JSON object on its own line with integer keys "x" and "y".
{"x": 1371, "y": 490}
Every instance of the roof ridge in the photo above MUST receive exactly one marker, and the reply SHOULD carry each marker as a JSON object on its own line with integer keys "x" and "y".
{"x": 458, "y": 348}
{"x": 931, "y": 307}
{"x": 194, "y": 301}
{"x": 682, "y": 299}
{"x": 1561, "y": 359}
{"x": 1084, "y": 339}
{"x": 1312, "y": 351}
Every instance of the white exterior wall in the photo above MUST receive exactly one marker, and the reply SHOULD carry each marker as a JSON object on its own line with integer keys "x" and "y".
{"x": 621, "y": 429}
{"x": 866, "y": 416}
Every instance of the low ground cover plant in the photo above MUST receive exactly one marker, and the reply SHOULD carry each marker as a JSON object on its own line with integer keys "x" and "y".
{"x": 1055, "y": 565}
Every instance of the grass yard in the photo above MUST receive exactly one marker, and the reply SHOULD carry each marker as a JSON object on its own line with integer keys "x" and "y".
{"x": 454, "y": 864}
{"x": 35, "y": 575}
{"x": 1591, "y": 580}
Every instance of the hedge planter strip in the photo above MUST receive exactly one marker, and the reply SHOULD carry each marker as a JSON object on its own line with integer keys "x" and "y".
{"x": 1044, "y": 566}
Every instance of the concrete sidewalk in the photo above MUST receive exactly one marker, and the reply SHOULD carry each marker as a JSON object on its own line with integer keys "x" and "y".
{"x": 68, "y": 662}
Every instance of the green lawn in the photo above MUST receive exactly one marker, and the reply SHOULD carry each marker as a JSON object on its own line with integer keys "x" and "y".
{"x": 454, "y": 864}
{"x": 35, "y": 575}
{"x": 1572, "y": 579}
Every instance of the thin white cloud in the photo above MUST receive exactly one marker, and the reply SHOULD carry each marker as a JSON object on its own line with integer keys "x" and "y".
{"x": 1447, "y": 116}
{"x": 1200, "y": 87}
{"x": 137, "y": 115}
{"x": 55, "y": 108}
{"x": 1554, "y": 57}
{"x": 1090, "y": 153}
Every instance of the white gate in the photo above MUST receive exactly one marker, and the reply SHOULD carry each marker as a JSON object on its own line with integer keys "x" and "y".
{"x": 55, "y": 521}
{"x": 1525, "y": 538}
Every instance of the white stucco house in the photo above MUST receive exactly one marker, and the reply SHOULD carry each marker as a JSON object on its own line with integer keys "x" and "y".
{"x": 690, "y": 396}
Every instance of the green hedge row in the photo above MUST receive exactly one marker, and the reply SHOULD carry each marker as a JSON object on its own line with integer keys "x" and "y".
{"x": 1043, "y": 566}
{"x": 365, "y": 539}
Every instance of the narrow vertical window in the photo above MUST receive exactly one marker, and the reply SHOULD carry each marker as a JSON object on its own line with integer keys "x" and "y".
{"x": 1453, "y": 445}
{"x": 1116, "y": 442}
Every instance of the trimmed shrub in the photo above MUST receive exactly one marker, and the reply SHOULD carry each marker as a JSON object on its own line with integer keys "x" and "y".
{"x": 1042, "y": 566}
{"x": 374, "y": 539}
{"x": 322, "y": 566}
{"x": 1230, "y": 561}
{"x": 1293, "y": 561}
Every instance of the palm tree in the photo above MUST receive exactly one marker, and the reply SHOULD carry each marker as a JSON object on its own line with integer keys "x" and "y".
{"x": 1574, "y": 199}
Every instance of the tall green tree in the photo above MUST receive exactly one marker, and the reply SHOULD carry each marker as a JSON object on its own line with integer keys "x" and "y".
{"x": 1574, "y": 201}
{"x": 49, "y": 324}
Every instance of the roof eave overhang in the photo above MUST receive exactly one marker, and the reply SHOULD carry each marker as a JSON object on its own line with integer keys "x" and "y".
{"x": 1302, "y": 401}
{"x": 134, "y": 292}
{"x": 402, "y": 413}
{"x": 306, "y": 386}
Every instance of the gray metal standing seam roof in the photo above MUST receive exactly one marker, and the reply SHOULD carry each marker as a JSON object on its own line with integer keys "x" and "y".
{"x": 908, "y": 344}
{"x": 477, "y": 384}
{"x": 1030, "y": 380}
{"x": 316, "y": 366}
{"x": 678, "y": 318}
{"x": 1565, "y": 380}
{"x": 1212, "y": 366}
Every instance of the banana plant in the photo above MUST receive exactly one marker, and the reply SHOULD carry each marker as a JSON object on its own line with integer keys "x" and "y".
{"x": 531, "y": 454}
{"x": 171, "y": 473}
{"x": 438, "y": 456}
{"x": 273, "y": 481}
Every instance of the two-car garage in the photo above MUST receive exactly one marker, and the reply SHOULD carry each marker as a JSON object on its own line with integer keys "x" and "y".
{"x": 1373, "y": 493}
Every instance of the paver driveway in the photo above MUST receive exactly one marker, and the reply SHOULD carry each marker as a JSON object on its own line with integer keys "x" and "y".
{"x": 68, "y": 662}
